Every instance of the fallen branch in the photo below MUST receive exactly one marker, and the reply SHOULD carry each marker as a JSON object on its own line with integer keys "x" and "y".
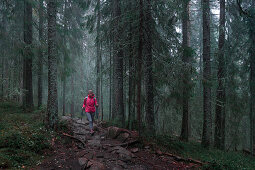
{"x": 195, "y": 161}
{"x": 178, "y": 158}
{"x": 65, "y": 134}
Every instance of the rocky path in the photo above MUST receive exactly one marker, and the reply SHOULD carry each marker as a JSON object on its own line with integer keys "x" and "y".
{"x": 109, "y": 148}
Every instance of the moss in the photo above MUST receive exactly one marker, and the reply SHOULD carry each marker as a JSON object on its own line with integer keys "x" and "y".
{"x": 23, "y": 136}
{"x": 215, "y": 159}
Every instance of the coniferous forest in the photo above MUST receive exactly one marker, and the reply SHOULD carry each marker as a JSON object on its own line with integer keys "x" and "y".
{"x": 176, "y": 77}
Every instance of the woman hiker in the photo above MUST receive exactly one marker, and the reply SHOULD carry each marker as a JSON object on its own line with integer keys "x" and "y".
{"x": 89, "y": 105}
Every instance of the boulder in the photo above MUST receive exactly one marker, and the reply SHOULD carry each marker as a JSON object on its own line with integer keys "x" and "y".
{"x": 95, "y": 165}
{"x": 134, "y": 150}
{"x": 83, "y": 161}
{"x": 123, "y": 136}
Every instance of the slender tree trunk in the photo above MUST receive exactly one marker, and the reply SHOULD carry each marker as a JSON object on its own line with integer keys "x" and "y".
{"x": 2, "y": 79}
{"x": 131, "y": 72}
{"x": 186, "y": 71}
{"x": 28, "y": 54}
{"x": 101, "y": 87}
{"x": 118, "y": 106}
{"x": 72, "y": 91}
{"x": 252, "y": 81}
{"x": 150, "y": 120}
{"x": 110, "y": 94}
{"x": 3, "y": 50}
{"x": 52, "y": 104}
{"x": 40, "y": 56}
{"x": 206, "y": 136}
{"x": 220, "y": 97}
{"x": 98, "y": 55}
{"x": 139, "y": 65}
{"x": 65, "y": 61}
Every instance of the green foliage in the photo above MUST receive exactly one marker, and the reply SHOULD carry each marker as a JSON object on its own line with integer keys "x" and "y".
{"x": 214, "y": 159}
{"x": 23, "y": 136}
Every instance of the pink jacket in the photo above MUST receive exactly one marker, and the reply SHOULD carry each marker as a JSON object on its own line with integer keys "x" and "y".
{"x": 89, "y": 104}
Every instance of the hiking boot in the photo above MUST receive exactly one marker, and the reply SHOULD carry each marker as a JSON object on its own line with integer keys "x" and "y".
{"x": 91, "y": 132}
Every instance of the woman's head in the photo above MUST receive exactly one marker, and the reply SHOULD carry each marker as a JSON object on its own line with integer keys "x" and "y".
{"x": 90, "y": 93}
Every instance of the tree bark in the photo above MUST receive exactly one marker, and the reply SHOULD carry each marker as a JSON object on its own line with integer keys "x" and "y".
{"x": 207, "y": 131}
{"x": 110, "y": 85}
{"x": 40, "y": 56}
{"x": 65, "y": 61}
{"x": 118, "y": 105}
{"x": 150, "y": 120}
{"x": 186, "y": 71}
{"x": 52, "y": 104}
{"x": 220, "y": 97}
{"x": 98, "y": 63}
{"x": 131, "y": 71}
{"x": 139, "y": 65}
{"x": 28, "y": 54}
{"x": 252, "y": 81}
{"x": 72, "y": 93}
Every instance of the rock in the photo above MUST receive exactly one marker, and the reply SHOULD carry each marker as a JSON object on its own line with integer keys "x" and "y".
{"x": 125, "y": 158}
{"x": 97, "y": 137}
{"x": 117, "y": 168}
{"x": 134, "y": 150}
{"x": 83, "y": 161}
{"x": 94, "y": 142}
{"x": 95, "y": 165}
{"x": 81, "y": 153}
{"x": 89, "y": 155}
{"x": 122, "y": 164}
{"x": 124, "y": 154}
{"x": 112, "y": 132}
{"x": 159, "y": 152}
{"x": 147, "y": 147}
{"x": 100, "y": 155}
{"x": 123, "y": 136}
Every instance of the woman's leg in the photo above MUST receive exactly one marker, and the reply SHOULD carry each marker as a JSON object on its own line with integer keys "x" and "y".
{"x": 92, "y": 116}
{"x": 90, "y": 120}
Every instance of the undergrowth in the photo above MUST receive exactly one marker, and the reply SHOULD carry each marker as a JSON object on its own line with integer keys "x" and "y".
{"x": 23, "y": 136}
{"x": 213, "y": 158}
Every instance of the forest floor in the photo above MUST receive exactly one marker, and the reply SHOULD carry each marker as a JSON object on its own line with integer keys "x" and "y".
{"x": 25, "y": 143}
{"x": 109, "y": 148}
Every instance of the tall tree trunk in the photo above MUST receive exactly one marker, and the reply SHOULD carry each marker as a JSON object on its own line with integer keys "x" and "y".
{"x": 252, "y": 80}
{"x": 139, "y": 65}
{"x": 40, "y": 56}
{"x": 2, "y": 79}
{"x": 220, "y": 97}
{"x": 110, "y": 85}
{"x": 65, "y": 61}
{"x": 3, "y": 49}
{"x": 28, "y": 54}
{"x": 131, "y": 71}
{"x": 98, "y": 63}
{"x": 206, "y": 136}
{"x": 72, "y": 91}
{"x": 101, "y": 88}
{"x": 52, "y": 104}
{"x": 118, "y": 105}
{"x": 150, "y": 120}
{"x": 186, "y": 71}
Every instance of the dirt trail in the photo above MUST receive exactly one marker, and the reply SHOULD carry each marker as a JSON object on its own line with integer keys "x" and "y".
{"x": 108, "y": 148}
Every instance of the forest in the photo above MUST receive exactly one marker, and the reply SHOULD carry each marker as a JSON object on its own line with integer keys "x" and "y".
{"x": 182, "y": 70}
